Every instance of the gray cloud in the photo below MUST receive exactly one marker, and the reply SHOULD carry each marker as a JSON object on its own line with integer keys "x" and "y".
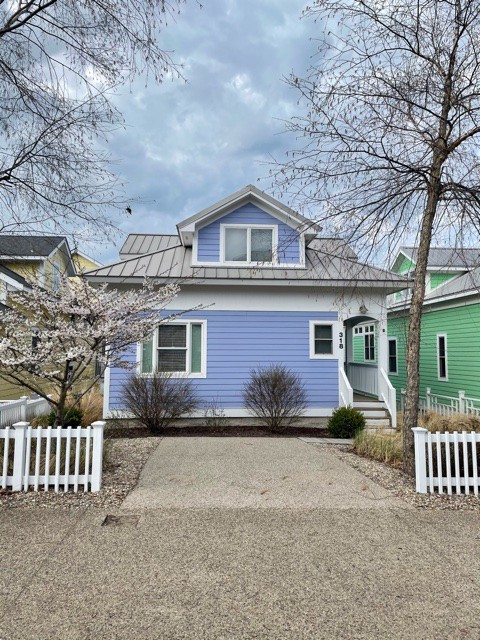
{"x": 190, "y": 143}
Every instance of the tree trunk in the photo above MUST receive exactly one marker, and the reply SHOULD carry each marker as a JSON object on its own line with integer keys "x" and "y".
{"x": 410, "y": 416}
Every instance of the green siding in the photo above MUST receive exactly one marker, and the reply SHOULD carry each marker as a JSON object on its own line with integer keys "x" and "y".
{"x": 359, "y": 348}
{"x": 436, "y": 279}
{"x": 461, "y": 325}
{"x": 403, "y": 266}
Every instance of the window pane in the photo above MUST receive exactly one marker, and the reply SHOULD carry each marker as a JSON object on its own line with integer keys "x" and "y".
{"x": 323, "y": 332}
{"x": 147, "y": 357}
{"x": 392, "y": 364}
{"x": 392, "y": 347}
{"x": 172, "y": 335}
{"x": 261, "y": 245}
{"x": 323, "y": 347}
{"x": 171, "y": 360}
{"x": 441, "y": 346}
{"x": 196, "y": 355}
{"x": 236, "y": 245}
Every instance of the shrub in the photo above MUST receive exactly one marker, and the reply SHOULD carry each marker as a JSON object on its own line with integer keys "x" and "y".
{"x": 72, "y": 417}
{"x": 384, "y": 447}
{"x": 214, "y": 414}
{"x": 91, "y": 406}
{"x": 157, "y": 400}
{"x": 345, "y": 422}
{"x": 275, "y": 395}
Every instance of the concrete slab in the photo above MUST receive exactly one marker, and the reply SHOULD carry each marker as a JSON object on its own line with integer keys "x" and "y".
{"x": 309, "y": 440}
{"x": 252, "y": 473}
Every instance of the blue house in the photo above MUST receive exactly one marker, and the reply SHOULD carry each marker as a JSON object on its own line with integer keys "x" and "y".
{"x": 272, "y": 290}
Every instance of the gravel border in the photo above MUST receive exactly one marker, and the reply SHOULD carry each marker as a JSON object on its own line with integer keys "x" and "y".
{"x": 123, "y": 461}
{"x": 402, "y": 485}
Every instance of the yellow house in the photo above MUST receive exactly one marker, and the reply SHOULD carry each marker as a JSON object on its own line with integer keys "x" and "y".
{"x": 83, "y": 263}
{"x": 26, "y": 259}
{"x": 39, "y": 259}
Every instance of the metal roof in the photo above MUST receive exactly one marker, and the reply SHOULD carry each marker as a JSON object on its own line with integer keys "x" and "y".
{"x": 255, "y": 193}
{"x": 328, "y": 261}
{"x": 458, "y": 257}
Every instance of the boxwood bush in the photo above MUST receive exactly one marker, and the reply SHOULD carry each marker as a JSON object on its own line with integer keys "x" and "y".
{"x": 345, "y": 422}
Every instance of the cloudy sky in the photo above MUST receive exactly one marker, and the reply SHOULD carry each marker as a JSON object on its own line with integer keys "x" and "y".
{"x": 187, "y": 145}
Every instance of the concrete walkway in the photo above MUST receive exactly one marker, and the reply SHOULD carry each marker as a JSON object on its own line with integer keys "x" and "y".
{"x": 252, "y": 473}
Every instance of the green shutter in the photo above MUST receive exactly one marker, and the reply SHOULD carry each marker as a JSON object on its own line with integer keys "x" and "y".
{"x": 196, "y": 351}
{"x": 147, "y": 348}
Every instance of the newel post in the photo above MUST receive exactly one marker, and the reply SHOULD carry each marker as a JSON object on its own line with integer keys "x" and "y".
{"x": 97, "y": 454}
{"x": 428, "y": 398}
{"x": 420, "y": 441}
{"x": 462, "y": 404}
{"x": 23, "y": 408}
{"x": 20, "y": 430}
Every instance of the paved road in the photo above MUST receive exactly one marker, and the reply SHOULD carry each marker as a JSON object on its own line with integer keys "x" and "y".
{"x": 258, "y": 571}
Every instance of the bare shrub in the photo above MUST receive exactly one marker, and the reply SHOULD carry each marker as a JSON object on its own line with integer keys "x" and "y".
{"x": 157, "y": 400}
{"x": 275, "y": 395}
{"x": 214, "y": 414}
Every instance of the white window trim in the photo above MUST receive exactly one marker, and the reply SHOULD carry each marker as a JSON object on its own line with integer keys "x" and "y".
{"x": 444, "y": 336}
{"x": 248, "y": 227}
{"x": 393, "y": 373}
{"x": 177, "y": 374}
{"x": 336, "y": 328}
{"x": 55, "y": 270}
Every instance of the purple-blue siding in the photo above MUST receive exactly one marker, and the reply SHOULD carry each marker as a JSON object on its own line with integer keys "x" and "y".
{"x": 238, "y": 341}
{"x": 209, "y": 236}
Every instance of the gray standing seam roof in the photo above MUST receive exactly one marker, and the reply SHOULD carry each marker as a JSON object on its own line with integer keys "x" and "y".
{"x": 327, "y": 259}
{"x": 447, "y": 257}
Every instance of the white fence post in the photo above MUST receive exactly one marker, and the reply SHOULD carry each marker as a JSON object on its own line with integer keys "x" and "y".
{"x": 428, "y": 398}
{"x": 20, "y": 429}
{"x": 462, "y": 405}
{"x": 23, "y": 408}
{"x": 420, "y": 439}
{"x": 97, "y": 454}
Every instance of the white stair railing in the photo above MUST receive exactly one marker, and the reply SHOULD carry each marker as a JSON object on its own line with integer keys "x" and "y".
{"x": 345, "y": 390}
{"x": 388, "y": 394}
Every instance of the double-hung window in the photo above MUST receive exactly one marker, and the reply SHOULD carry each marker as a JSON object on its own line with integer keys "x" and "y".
{"x": 177, "y": 348}
{"x": 442, "y": 357}
{"x": 392, "y": 356}
{"x": 369, "y": 343}
{"x": 248, "y": 244}
{"x": 322, "y": 340}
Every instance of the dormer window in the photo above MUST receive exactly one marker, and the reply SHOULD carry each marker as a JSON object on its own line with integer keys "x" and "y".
{"x": 248, "y": 244}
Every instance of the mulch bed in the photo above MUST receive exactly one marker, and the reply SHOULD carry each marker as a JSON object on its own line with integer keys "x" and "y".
{"x": 216, "y": 432}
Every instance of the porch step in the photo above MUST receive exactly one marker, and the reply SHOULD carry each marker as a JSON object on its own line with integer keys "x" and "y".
{"x": 376, "y": 414}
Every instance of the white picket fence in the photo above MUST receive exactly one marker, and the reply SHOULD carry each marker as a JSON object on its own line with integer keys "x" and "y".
{"x": 12, "y": 411}
{"x": 445, "y": 405}
{"x": 434, "y": 471}
{"x": 28, "y": 454}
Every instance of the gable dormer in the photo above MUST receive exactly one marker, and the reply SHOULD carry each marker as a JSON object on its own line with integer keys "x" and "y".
{"x": 247, "y": 229}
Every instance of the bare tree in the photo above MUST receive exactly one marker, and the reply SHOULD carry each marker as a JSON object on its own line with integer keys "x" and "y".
{"x": 60, "y": 62}
{"x": 387, "y": 142}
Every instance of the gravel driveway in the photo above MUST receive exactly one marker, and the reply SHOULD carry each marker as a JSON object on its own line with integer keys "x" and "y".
{"x": 252, "y": 473}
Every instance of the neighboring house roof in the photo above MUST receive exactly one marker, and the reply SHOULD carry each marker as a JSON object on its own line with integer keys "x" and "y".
{"x": 15, "y": 246}
{"x": 461, "y": 258}
{"x": 327, "y": 263}
{"x": 249, "y": 194}
{"x": 20, "y": 248}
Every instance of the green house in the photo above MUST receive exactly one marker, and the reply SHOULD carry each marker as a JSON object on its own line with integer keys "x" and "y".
{"x": 450, "y": 334}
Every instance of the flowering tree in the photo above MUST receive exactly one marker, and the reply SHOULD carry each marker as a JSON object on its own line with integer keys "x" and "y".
{"x": 50, "y": 340}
